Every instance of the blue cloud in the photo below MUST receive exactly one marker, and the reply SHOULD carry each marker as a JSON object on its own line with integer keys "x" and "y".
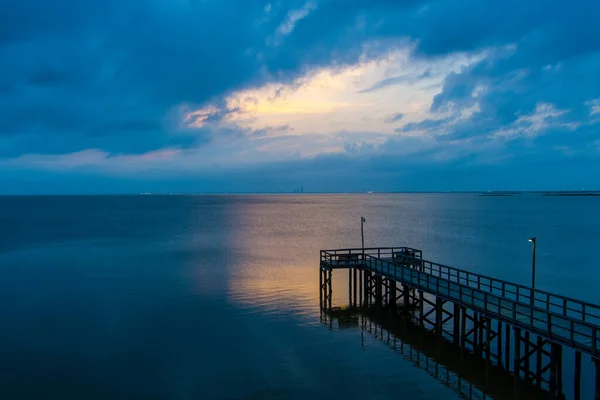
{"x": 398, "y": 80}
{"x": 108, "y": 75}
{"x": 426, "y": 124}
{"x": 394, "y": 118}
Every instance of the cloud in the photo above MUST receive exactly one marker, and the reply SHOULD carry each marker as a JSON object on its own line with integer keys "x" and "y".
{"x": 239, "y": 82}
{"x": 594, "y": 106}
{"x": 398, "y": 80}
{"x": 426, "y": 124}
{"x": 333, "y": 93}
{"x": 290, "y": 21}
{"x": 543, "y": 118}
{"x": 394, "y": 117}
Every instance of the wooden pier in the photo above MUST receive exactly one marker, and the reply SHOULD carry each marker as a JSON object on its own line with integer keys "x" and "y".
{"x": 479, "y": 313}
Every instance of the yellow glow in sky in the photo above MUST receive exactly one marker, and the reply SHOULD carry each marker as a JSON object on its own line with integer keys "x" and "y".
{"x": 333, "y": 100}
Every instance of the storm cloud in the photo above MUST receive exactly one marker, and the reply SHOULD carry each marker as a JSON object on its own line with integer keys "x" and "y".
{"x": 117, "y": 78}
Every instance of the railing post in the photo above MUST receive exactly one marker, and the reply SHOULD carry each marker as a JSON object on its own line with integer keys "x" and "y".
{"x": 485, "y": 301}
{"x": 549, "y": 326}
{"x": 531, "y": 315}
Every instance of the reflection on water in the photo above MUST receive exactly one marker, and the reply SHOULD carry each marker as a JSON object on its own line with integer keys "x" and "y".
{"x": 462, "y": 371}
{"x": 216, "y": 297}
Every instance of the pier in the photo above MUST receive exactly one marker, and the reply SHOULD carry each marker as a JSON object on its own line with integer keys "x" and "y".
{"x": 512, "y": 329}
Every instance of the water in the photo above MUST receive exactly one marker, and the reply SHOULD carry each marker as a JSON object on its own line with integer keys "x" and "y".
{"x": 216, "y": 297}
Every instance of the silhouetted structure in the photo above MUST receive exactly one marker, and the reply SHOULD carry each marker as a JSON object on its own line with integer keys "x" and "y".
{"x": 477, "y": 314}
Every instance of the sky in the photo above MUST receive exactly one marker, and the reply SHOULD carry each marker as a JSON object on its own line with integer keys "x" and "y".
{"x": 213, "y": 96}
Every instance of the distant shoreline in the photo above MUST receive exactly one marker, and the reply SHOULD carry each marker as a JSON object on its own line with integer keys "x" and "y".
{"x": 566, "y": 193}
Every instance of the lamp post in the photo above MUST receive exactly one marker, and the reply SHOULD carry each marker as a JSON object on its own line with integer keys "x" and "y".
{"x": 362, "y": 233}
{"x": 533, "y": 241}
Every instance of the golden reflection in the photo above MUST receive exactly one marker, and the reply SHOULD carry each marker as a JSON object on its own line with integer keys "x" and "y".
{"x": 281, "y": 289}
{"x": 274, "y": 248}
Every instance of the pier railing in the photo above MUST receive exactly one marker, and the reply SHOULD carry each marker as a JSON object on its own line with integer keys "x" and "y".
{"x": 566, "y": 330}
{"x": 554, "y": 303}
{"x": 559, "y": 318}
{"x": 347, "y": 257}
{"x": 551, "y": 302}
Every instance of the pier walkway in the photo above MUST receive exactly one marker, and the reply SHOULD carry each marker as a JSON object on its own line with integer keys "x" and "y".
{"x": 399, "y": 276}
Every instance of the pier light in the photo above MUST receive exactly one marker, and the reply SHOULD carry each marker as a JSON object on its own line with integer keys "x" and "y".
{"x": 362, "y": 233}
{"x": 533, "y": 241}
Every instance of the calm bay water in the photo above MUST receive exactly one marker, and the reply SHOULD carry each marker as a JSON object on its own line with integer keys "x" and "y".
{"x": 216, "y": 297}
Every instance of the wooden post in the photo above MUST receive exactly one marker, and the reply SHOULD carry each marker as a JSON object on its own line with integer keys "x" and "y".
{"x": 538, "y": 362}
{"x": 480, "y": 345}
{"x": 321, "y": 287}
{"x": 392, "y": 293}
{"x": 517, "y": 362}
{"x": 488, "y": 335}
{"x": 349, "y": 287}
{"x": 378, "y": 295}
{"x": 438, "y": 317}
{"x": 559, "y": 371}
{"x": 463, "y": 327}
{"x": 456, "y": 331}
{"x": 526, "y": 355}
{"x": 406, "y": 298}
{"x": 554, "y": 356}
{"x": 355, "y": 272}
{"x": 597, "y": 386}
{"x": 476, "y": 347}
{"x": 577, "y": 379}
{"x": 330, "y": 288}
{"x": 361, "y": 288}
{"x": 507, "y": 347}
{"x": 421, "y": 309}
{"x": 499, "y": 343}
{"x": 367, "y": 288}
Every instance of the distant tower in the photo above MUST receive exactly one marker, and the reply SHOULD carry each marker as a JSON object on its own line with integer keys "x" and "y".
{"x": 301, "y": 189}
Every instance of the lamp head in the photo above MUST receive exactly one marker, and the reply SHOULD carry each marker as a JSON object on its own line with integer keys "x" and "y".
{"x": 532, "y": 239}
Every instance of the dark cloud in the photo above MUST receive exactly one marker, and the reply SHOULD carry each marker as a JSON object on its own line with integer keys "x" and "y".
{"x": 394, "y": 117}
{"x": 73, "y": 72}
{"x": 398, "y": 80}
{"x": 426, "y": 124}
{"x": 108, "y": 75}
